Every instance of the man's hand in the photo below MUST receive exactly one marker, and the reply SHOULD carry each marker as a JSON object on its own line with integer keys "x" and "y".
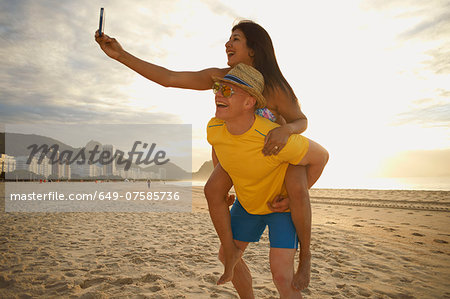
{"x": 279, "y": 204}
{"x": 230, "y": 199}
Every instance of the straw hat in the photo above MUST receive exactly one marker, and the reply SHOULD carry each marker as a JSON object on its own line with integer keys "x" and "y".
{"x": 249, "y": 79}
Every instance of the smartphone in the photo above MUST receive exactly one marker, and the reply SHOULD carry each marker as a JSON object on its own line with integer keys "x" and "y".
{"x": 101, "y": 25}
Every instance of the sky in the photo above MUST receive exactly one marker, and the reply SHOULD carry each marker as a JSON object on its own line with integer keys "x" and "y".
{"x": 373, "y": 77}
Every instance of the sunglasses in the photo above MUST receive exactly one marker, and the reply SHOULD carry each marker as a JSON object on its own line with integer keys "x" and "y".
{"x": 226, "y": 90}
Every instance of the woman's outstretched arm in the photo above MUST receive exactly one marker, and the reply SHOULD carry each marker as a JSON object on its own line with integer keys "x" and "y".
{"x": 198, "y": 80}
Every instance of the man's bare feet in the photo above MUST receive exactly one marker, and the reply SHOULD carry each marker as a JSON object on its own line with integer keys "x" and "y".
{"x": 230, "y": 261}
{"x": 303, "y": 275}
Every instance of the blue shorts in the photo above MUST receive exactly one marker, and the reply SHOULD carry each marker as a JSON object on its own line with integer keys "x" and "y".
{"x": 249, "y": 228}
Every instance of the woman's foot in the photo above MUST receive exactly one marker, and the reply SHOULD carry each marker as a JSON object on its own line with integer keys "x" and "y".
{"x": 303, "y": 275}
{"x": 230, "y": 261}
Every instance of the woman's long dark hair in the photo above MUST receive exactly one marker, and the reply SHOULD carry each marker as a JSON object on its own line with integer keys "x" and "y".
{"x": 264, "y": 59}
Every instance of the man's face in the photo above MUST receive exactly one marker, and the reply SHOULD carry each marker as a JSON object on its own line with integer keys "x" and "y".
{"x": 228, "y": 108}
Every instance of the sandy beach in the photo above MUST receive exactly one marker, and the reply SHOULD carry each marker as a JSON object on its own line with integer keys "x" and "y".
{"x": 365, "y": 244}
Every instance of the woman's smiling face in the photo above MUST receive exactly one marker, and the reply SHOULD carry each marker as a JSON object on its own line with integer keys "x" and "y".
{"x": 237, "y": 50}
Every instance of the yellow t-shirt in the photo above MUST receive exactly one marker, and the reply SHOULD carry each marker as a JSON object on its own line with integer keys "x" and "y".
{"x": 257, "y": 179}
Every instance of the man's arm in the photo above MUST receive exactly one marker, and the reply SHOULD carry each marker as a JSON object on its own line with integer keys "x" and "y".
{"x": 215, "y": 160}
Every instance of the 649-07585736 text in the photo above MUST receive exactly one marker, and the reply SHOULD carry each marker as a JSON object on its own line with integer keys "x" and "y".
{"x": 97, "y": 195}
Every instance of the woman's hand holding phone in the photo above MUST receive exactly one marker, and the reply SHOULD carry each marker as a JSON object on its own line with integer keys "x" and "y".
{"x": 109, "y": 45}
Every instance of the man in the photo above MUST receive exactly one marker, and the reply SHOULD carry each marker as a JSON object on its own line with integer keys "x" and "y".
{"x": 237, "y": 136}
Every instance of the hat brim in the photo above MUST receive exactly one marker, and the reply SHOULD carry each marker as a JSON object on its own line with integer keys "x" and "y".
{"x": 260, "y": 99}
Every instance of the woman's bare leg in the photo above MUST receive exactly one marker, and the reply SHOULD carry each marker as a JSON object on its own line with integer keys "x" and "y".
{"x": 216, "y": 191}
{"x": 242, "y": 279}
{"x": 300, "y": 206}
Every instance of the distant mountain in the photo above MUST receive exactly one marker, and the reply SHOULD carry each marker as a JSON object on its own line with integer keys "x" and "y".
{"x": 173, "y": 172}
{"x": 16, "y": 144}
{"x": 204, "y": 172}
{"x": 92, "y": 144}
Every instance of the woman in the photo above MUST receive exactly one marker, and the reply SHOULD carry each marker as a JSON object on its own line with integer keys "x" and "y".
{"x": 250, "y": 44}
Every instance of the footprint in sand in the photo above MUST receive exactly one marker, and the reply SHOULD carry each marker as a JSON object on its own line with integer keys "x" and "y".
{"x": 150, "y": 277}
{"x": 209, "y": 278}
{"x": 315, "y": 271}
{"x": 364, "y": 292}
{"x": 123, "y": 281}
{"x": 155, "y": 288}
{"x": 92, "y": 295}
{"x": 376, "y": 252}
{"x": 137, "y": 260}
{"x": 440, "y": 241}
{"x": 406, "y": 258}
{"x": 418, "y": 234}
{"x": 448, "y": 235}
{"x": 90, "y": 282}
{"x": 337, "y": 275}
{"x": 5, "y": 282}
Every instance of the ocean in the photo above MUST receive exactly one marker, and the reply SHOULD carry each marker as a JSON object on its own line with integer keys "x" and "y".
{"x": 400, "y": 183}
{"x": 406, "y": 183}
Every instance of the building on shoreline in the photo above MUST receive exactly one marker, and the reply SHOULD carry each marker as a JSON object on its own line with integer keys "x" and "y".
{"x": 7, "y": 163}
{"x": 78, "y": 169}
